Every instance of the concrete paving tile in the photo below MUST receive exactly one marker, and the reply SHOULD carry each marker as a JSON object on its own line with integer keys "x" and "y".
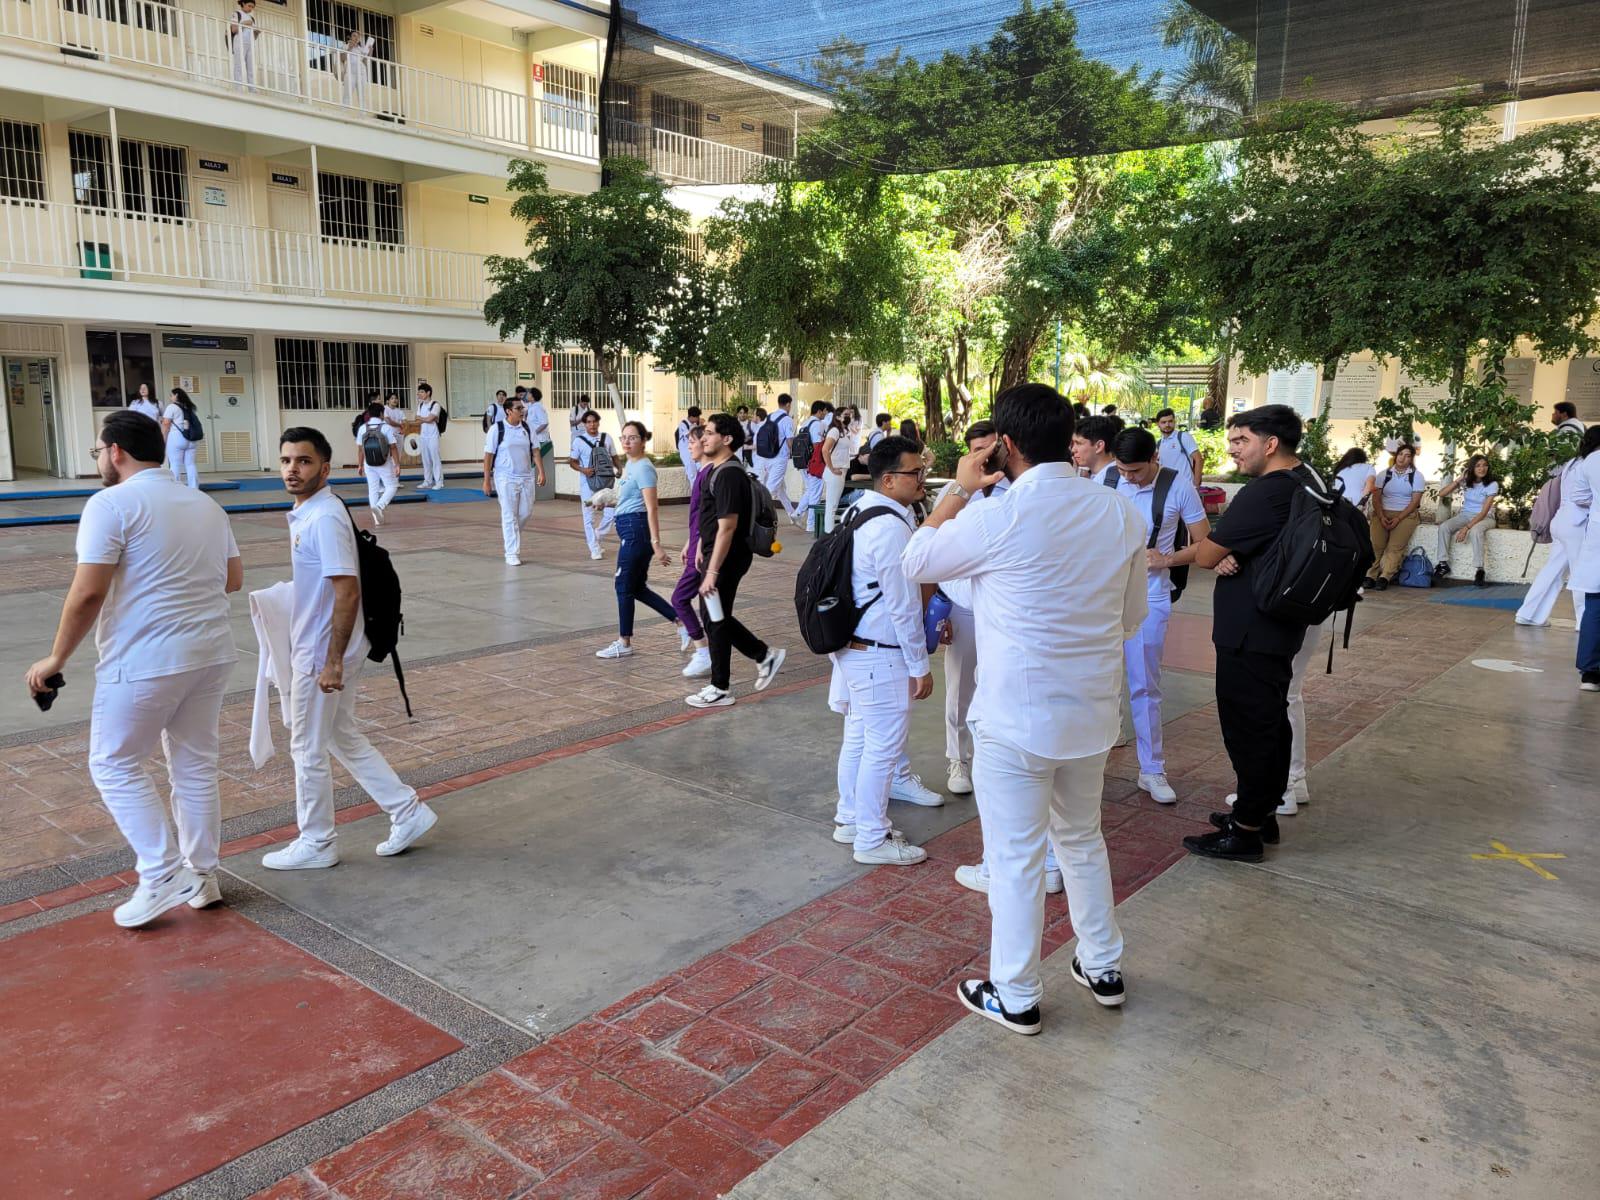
{"x": 443, "y": 1162}
{"x": 789, "y": 1012}
{"x": 702, "y": 1155}
{"x": 660, "y": 1076}
{"x": 613, "y": 1105}
{"x": 719, "y": 1048}
{"x": 613, "y": 1170}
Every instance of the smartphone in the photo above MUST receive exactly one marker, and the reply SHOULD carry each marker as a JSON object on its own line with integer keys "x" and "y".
{"x": 997, "y": 458}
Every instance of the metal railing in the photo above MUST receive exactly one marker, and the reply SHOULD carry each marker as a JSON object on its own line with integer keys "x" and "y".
{"x": 681, "y": 158}
{"x": 314, "y": 71}
{"x": 67, "y": 240}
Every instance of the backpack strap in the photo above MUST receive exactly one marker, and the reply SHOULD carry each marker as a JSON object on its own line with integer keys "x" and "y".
{"x": 1109, "y": 478}
{"x": 399, "y": 674}
{"x": 1158, "y": 504}
{"x": 859, "y": 518}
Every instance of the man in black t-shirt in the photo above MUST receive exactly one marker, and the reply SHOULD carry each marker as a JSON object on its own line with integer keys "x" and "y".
{"x": 727, "y": 509}
{"x": 1255, "y": 652}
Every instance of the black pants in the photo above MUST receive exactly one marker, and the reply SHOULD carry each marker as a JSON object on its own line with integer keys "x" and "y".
{"x": 1253, "y": 708}
{"x": 727, "y": 635}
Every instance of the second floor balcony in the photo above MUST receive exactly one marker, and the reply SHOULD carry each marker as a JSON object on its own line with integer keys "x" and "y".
{"x": 680, "y": 158}
{"x": 71, "y": 241}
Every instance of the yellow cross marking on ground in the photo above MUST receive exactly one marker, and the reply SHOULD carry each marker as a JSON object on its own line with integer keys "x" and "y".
{"x": 1525, "y": 859}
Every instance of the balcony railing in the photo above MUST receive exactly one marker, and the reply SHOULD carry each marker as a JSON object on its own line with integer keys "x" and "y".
{"x": 70, "y": 241}
{"x": 683, "y": 159}
{"x": 314, "y": 72}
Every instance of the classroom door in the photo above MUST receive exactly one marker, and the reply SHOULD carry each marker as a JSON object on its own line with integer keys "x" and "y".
{"x": 221, "y": 386}
{"x": 32, "y": 402}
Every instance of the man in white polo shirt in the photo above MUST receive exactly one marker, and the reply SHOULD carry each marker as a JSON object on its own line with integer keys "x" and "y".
{"x": 772, "y": 454}
{"x": 509, "y": 454}
{"x": 156, "y": 561}
{"x": 1152, "y": 485}
{"x": 327, "y": 647}
{"x": 1177, "y": 450}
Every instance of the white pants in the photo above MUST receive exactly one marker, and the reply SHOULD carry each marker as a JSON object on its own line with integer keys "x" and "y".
{"x": 180, "y": 457}
{"x": 382, "y": 484}
{"x": 325, "y": 724}
{"x": 432, "y": 463}
{"x": 877, "y": 719}
{"x": 596, "y": 524}
{"x": 832, "y": 489}
{"x": 1297, "y": 695}
{"x": 244, "y": 57}
{"x": 355, "y": 85}
{"x": 774, "y": 474}
{"x": 1447, "y": 537}
{"x": 516, "y": 505}
{"x": 1021, "y": 797}
{"x": 1542, "y": 595}
{"x": 811, "y": 496}
{"x": 1141, "y": 656}
{"x": 960, "y": 684}
{"x": 181, "y": 713}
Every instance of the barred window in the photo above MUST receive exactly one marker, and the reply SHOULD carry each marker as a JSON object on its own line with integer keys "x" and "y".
{"x": 777, "y": 141}
{"x": 569, "y": 98}
{"x": 155, "y": 177}
{"x": 622, "y": 113}
{"x": 575, "y": 374}
{"x": 146, "y": 15}
{"x": 21, "y": 161}
{"x": 706, "y": 391}
{"x": 361, "y": 210}
{"x": 328, "y": 27}
{"x": 674, "y": 115}
{"x": 315, "y": 374}
{"x": 852, "y": 383}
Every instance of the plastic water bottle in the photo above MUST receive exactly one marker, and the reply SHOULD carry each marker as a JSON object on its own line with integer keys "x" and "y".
{"x": 934, "y": 619}
{"x": 714, "y": 606}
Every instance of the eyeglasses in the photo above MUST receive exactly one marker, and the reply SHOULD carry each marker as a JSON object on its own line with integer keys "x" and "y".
{"x": 920, "y": 472}
{"x": 94, "y": 452}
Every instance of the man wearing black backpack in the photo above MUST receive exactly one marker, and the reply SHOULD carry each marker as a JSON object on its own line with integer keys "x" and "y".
{"x": 327, "y": 646}
{"x": 772, "y": 454}
{"x": 1255, "y": 649}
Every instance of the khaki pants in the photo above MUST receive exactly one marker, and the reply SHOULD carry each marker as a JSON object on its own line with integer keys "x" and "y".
{"x": 1390, "y": 545}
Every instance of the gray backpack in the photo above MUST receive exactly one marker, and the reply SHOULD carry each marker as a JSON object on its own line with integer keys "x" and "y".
{"x": 605, "y": 466}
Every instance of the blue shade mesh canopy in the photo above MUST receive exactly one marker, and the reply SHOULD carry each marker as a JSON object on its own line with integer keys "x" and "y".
{"x": 712, "y": 91}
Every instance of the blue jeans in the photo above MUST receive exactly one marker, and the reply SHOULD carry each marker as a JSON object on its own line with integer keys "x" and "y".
{"x": 633, "y": 572}
{"x": 1589, "y": 636}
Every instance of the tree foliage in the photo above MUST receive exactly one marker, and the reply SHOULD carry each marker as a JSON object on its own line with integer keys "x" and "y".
{"x": 1215, "y": 86}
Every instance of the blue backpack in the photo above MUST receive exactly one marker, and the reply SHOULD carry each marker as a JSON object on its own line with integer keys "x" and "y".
{"x": 1416, "y": 570}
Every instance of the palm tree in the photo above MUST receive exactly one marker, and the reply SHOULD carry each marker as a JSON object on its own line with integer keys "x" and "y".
{"x": 1216, "y": 87}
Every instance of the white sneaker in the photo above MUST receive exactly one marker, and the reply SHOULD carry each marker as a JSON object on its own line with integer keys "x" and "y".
{"x": 960, "y": 781}
{"x": 892, "y": 852}
{"x": 1158, "y": 787}
{"x": 403, "y": 833}
{"x": 513, "y": 561}
{"x": 299, "y": 855}
{"x": 1301, "y": 790}
{"x": 709, "y": 697}
{"x": 210, "y": 892}
{"x": 377, "y": 516}
{"x": 699, "y": 664}
{"x": 684, "y": 640}
{"x": 845, "y": 835}
{"x": 769, "y": 667}
{"x": 149, "y": 901}
{"x": 912, "y": 790}
{"x": 596, "y": 555}
{"x": 1533, "y": 624}
{"x": 617, "y": 649}
{"x": 974, "y": 878}
{"x": 1288, "y": 808}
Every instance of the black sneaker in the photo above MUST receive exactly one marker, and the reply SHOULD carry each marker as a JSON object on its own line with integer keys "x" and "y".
{"x": 1269, "y": 828}
{"x": 1589, "y": 681}
{"x": 1440, "y": 571}
{"x": 1107, "y": 990}
{"x": 979, "y": 995}
{"x": 1232, "y": 843}
{"x": 1380, "y": 584}
{"x": 1478, "y": 580}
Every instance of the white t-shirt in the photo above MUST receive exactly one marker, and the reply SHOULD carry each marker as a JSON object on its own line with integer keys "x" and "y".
{"x": 430, "y": 429}
{"x": 167, "y": 608}
{"x": 174, "y": 413}
{"x": 844, "y": 449}
{"x": 785, "y": 424}
{"x": 536, "y": 417}
{"x": 1173, "y": 450}
{"x": 1474, "y": 495}
{"x": 1351, "y": 482}
{"x": 387, "y": 431}
{"x": 515, "y": 459}
{"x": 1399, "y": 486}
{"x": 148, "y": 407}
{"x": 1183, "y": 506}
{"x": 393, "y": 415}
{"x": 322, "y": 545}
{"x": 584, "y": 449}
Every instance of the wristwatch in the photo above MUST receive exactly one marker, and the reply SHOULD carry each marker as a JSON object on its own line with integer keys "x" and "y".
{"x": 957, "y": 490}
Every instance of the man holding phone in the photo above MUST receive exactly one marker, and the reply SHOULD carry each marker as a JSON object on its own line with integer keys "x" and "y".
{"x": 156, "y": 562}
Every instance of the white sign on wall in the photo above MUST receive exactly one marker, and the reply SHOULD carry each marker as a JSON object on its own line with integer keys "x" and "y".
{"x": 1583, "y": 387}
{"x": 1355, "y": 391}
{"x": 1423, "y": 393}
{"x": 1296, "y": 387}
{"x": 1519, "y": 378}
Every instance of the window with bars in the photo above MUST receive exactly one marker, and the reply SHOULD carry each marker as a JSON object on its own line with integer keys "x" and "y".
{"x": 777, "y": 141}
{"x": 622, "y": 113}
{"x": 569, "y": 98}
{"x": 21, "y": 161}
{"x": 575, "y": 374}
{"x": 361, "y": 210}
{"x": 322, "y": 375}
{"x": 706, "y": 391}
{"x": 328, "y": 28}
{"x": 852, "y": 384}
{"x": 145, "y": 14}
{"x": 155, "y": 177}
{"x": 672, "y": 115}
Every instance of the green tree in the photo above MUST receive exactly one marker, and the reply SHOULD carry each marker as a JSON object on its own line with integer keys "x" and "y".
{"x": 602, "y": 269}
{"x": 1215, "y": 86}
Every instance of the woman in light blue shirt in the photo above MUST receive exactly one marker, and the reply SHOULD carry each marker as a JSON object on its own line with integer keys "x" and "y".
{"x": 1475, "y": 517}
{"x": 639, "y": 527}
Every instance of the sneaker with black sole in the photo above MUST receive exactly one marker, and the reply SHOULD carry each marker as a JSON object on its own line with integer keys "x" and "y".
{"x": 768, "y": 668}
{"x": 1269, "y": 829}
{"x": 1106, "y": 988}
{"x": 1478, "y": 579}
{"x": 1589, "y": 681}
{"x": 1232, "y": 844}
{"x": 1441, "y": 570}
{"x": 980, "y": 996}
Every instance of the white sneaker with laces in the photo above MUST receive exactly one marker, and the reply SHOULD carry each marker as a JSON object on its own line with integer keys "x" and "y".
{"x": 299, "y": 855}
{"x": 974, "y": 878}
{"x": 912, "y": 790}
{"x": 892, "y": 852}
{"x": 150, "y": 900}
{"x": 845, "y": 835}
{"x": 1158, "y": 787}
{"x": 960, "y": 781}
{"x": 1288, "y": 808}
{"x": 699, "y": 663}
{"x": 513, "y": 561}
{"x": 1301, "y": 790}
{"x": 403, "y": 833}
{"x": 769, "y": 667}
{"x": 709, "y": 696}
{"x": 210, "y": 892}
{"x": 617, "y": 649}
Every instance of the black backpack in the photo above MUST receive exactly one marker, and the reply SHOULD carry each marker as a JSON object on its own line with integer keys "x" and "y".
{"x": 192, "y": 427}
{"x": 800, "y": 447}
{"x": 444, "y": 418}
{"x": 374, "y": 446}
{"x": 1316, "y": 565}
{"x": 763, "y": 513}
{"x": 382, "y": 619}
{"x": 1158, "y": 504}
{"x": 824, "y": 590}
{"x": 768, "y": 440}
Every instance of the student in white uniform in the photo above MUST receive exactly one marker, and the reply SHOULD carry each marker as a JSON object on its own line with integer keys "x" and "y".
{"x": 838, "y": 448}
{"x": 1144, "y": 480}
{"x": 1050, "y": 627}
{"x": 690, "y": 422}
{"x": 817, "y": 427}
{"x": 156, "y": 562}
{"x": 1584, "y": 481}
{"x": 885, "y": 666}
{"x": 1567, "y": 529}
{"x": 1177, "y": 448}
{"x": 537, "y": 419}
{"x": 593, "y": 453}
{"x": 428, "y": 412}
{"x": 377, "y": 438}
{"x": 509, "y": 454}
{"x": 146, "y": 403}
{"x": 327, "y": 649}
{"x": 496, "y": 410}
{"x": 1475, "y": 517}
{"x": 243, "y": 33}
{"x": 178, "y": 421}
{"x": 394, "y": 413}
{"x": 749, "y": 424}
{"x": 772, "y": 454}
{"x": 1351, "y": 474}
{"x": 1092, "y": 439}
{"x": 355, "y": 56}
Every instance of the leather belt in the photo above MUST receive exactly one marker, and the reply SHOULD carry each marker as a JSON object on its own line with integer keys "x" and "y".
{"x": 869, "y": 644}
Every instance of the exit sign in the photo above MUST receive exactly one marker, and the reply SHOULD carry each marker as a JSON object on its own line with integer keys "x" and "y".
{"x": 477, "y": 199}
{"x": 547, "y": 362}
{"x": 538, "y": 72}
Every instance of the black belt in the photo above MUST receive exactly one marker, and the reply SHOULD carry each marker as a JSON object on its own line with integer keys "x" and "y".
{"x": 868, "y": 644}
